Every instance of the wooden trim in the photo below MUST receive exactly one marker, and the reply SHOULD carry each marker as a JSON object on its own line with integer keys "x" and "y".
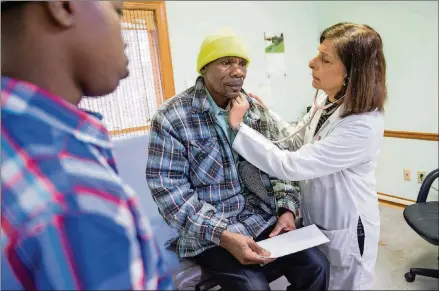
{"x": 130, "y": 28}
{"x": 155, "y": 64}
{"x": 165, "y": 52}
{"x": 396, "y": 197}
{"x": 394, "y": 200}
{"x": 412, "y": 135}
{"x": 165, "y": 60}
{"x": 129, "y": 130}
{"x": 142, "y": 5}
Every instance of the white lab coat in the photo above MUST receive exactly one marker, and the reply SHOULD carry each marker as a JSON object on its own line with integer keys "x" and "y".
{"x": 336, "y": 170}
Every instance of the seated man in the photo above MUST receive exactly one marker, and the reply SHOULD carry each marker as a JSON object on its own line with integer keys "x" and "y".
{"x": 219, "y": 203}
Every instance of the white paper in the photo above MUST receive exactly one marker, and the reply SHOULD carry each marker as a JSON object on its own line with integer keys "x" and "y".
{"x": 294, "y": 241}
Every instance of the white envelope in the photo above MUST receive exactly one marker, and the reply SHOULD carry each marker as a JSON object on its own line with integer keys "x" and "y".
{"x": 294, "y": 241}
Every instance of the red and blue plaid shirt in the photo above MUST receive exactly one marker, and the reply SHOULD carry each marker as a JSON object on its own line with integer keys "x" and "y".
{"x": 68, "y": 221}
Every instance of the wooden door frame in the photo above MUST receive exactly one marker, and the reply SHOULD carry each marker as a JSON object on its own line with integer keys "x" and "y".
{"x": 165, "y": 60}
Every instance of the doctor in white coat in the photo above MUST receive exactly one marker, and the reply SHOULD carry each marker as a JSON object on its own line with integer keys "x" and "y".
{"x": 335, "y": 156}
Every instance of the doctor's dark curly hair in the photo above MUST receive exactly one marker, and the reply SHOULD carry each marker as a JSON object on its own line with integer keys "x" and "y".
{"x": 360, "y": 49}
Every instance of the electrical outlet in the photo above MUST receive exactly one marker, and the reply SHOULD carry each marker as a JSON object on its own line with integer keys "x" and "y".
{"x": 421, "y": 176}
{"x": 407, "y": 174}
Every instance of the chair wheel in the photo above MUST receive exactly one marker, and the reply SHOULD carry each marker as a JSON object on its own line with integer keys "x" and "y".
{"x": 409, "y": 277}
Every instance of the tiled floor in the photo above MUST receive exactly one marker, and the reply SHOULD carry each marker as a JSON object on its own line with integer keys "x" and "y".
{"x": 400, "y": 249}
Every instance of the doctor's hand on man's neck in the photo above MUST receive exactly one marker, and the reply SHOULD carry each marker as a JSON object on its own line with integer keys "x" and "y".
{"x": 240, "y": 106}
{"x": 257, "y": 98}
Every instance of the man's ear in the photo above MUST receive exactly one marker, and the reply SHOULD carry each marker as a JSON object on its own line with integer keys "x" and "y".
{"x": 62, "y": 12}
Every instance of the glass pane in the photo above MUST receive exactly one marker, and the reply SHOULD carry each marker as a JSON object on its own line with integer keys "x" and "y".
{"x": 127, "y": 111}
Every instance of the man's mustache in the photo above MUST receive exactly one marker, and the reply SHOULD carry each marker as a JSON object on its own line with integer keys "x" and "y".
{"x": 237, "y": 82}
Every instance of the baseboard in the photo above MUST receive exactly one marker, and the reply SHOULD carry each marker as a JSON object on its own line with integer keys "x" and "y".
{"x": 394, "y": 200}
{"x": 391, "y": 204}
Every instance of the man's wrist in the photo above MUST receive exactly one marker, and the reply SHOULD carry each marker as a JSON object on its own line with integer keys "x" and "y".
{"x": 283, "y": 210}
{"x": 225, "y": 238}
{"x": 219, "y": 226}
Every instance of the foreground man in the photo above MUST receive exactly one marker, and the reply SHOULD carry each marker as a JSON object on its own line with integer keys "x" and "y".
{"x": 68, "y": 221}
{"x": 220, "y": 204}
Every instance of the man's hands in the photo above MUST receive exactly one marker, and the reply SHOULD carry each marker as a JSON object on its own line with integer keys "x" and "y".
{"x": 244, "y": 249}
{"x": 285, "y": 223}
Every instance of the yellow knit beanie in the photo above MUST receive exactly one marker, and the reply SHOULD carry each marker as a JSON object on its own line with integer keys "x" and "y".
{"x": 225, "y": 43}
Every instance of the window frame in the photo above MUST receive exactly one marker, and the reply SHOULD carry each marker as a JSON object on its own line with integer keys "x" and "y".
{"x": 164, "y": 54}
{"x": 164, "y": 48}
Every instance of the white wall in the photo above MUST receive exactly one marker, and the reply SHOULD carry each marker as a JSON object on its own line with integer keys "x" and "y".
{"x": 190, "y": 21}
{"x": 410, "y": 35}
{"x": 399, "y": 154}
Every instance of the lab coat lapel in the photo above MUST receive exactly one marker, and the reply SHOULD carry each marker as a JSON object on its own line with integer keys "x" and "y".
{"x": 329, "y": 124}
{"x": 311, "y": 128}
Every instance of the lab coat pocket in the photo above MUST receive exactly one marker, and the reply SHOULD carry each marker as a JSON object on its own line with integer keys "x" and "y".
{"x": 338, "y": 249}
{"x": 207, "y": 166}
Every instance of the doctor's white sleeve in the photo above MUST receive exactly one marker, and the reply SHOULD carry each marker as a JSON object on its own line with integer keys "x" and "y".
{"x": 295, "y": 142}
{"x": 348, "y": 145}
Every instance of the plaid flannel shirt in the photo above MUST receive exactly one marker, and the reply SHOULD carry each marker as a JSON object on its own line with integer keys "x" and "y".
{"x": 68, "y": 221}
{"x": 195, "y": 182}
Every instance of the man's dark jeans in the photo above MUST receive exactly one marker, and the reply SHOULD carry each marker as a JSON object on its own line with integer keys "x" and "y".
{"x": 305, "y": 270}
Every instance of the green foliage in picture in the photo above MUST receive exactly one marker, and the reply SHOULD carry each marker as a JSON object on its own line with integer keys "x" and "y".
{"x": 274, "y": 44}
{"x": 275, "y": 48}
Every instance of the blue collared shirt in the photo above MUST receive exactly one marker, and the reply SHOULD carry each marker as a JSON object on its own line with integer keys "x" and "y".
{"x": 68, "y": 221}
{"x": 222, "y": 120}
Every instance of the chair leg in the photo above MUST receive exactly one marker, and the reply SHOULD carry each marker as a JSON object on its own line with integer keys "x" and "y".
{"x": 431, "y": 273}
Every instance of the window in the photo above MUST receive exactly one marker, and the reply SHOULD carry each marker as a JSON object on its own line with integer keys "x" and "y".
{"x": 127, "y": 111}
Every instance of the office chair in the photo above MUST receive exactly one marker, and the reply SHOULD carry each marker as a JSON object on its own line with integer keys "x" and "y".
{"x": 423, "y": 217}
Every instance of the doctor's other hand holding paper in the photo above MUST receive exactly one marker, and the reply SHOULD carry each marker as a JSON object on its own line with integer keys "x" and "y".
{"x": 333, "y": 151}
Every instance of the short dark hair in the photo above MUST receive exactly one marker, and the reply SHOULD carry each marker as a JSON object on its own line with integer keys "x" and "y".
{"x": 8, "y": 5}
{"x": 360, "y": 49}
{"x": 12, "y": 18}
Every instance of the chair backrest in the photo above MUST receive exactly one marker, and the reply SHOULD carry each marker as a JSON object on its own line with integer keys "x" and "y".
{"x": 426, "y": 185}
{"x": 131, "y": 156}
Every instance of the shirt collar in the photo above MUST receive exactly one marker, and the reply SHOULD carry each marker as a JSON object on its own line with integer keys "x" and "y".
{"x": 23, "y": 98}
{"x": 214, "y": 107}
